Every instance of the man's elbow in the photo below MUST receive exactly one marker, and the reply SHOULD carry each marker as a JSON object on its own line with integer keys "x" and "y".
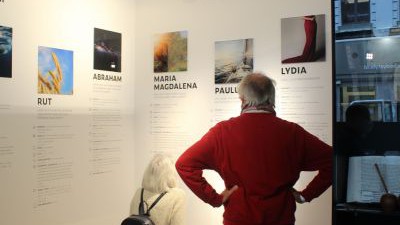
{"x": 179, "y": 165}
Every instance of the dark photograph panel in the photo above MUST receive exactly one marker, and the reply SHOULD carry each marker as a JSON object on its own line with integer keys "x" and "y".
{"x": 107, "y": 50}
{"x": 5, "y": 52}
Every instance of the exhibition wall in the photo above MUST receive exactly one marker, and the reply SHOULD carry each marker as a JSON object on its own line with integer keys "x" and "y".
{"x": 91, "y": 90}
{"x": 224, "y": 40}
{"x": 66, "y": 126}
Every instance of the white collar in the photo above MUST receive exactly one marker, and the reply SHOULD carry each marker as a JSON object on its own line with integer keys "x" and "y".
{"x": 255, "y": 111}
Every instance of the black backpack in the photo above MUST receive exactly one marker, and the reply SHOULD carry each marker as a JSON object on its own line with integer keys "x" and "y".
{"x": 144, "y": 217}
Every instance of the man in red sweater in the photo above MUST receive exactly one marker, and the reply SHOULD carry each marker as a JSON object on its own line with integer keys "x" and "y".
{"x": 259, "y": 156}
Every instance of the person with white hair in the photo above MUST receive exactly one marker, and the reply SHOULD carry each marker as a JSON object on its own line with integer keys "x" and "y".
{"x": 160, "y": 176}
{"x": 259, "y": 156}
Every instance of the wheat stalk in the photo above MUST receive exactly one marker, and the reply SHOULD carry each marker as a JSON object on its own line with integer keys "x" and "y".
{"x": 51, "y": 84}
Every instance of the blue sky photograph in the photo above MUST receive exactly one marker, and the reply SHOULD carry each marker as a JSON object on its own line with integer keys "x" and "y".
{"x": 47, "y": 65}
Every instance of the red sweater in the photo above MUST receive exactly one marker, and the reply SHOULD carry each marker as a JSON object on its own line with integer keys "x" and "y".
{"x": 264, "y": 156}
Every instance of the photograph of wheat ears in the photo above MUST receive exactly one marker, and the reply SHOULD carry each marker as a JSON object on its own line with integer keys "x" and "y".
{"x": 55, "y": 71}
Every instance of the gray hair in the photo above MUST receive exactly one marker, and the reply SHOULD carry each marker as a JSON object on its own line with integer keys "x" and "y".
{"x": 257, "y": 89}
{"x": 160, "y": 174}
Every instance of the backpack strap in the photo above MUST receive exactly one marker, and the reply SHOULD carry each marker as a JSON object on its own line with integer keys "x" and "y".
{"x": 141, "y": 204}
{"x": 155, "y": 202}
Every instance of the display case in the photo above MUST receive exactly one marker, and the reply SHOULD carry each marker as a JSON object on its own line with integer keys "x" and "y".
{"x": 366, "y": 112}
